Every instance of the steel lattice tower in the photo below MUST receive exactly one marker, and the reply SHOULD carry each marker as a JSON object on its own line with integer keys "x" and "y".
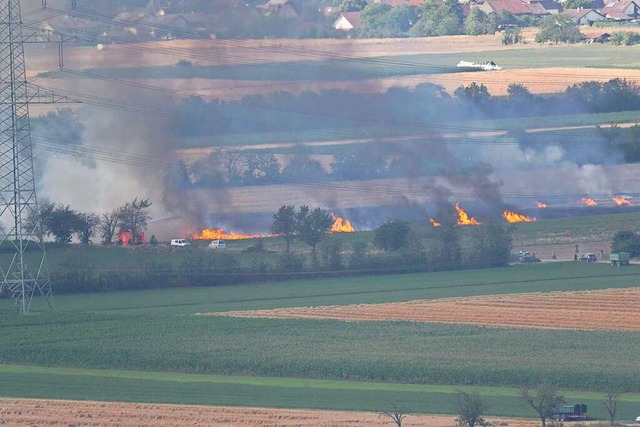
{"x": 21, "y": 241}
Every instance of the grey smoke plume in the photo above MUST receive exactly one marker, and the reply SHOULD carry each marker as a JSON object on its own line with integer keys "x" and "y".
{"x": 131, "y": 154}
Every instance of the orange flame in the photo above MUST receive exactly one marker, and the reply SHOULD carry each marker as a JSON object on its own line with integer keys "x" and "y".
{"x": 589, "y": 202}
{"x": 541, "y": 204}
{"x": 434, "y": 222}
{"x": 341, "y": 225}
{"x": 220, "y": 234}
{"x": 621, "y": 201}
{"x": 512, "y": 217}
{"x": 463, "y": 217}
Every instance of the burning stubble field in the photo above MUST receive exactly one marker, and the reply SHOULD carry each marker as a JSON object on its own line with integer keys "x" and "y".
{"x": 147, "y": 346}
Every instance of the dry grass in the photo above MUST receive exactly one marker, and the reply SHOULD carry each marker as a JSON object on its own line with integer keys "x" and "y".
{"x": 610, "y": 309}
{"x": 15, "y": 412}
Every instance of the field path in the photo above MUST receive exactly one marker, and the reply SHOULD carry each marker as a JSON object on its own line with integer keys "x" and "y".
{"x": 609, "y": 309}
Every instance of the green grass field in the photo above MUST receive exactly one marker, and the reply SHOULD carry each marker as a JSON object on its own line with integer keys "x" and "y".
{"x": 135, "y": 386}
{"x": 147, "y": 346}
{"x": 583, "y": 55}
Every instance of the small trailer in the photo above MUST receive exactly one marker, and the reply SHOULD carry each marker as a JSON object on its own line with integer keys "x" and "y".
{"x": 570, "y": 412}
{"x": 619, "y": 258}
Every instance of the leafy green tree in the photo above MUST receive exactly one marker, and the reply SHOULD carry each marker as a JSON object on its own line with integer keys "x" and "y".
{"x": 478, "y": 23}
{"x": 631, "y": 38}
{"x": 285, "y": 223}
{"x": 400, "y": 19}
{"x": 511, "y": 35}
{"x": 617, "y": 38}
{"x": 312, "y": 225}
{"x": 477, "y": 94}
{"x": 626, "y": 241}
{"x": 392, "y": 235}
{"x": 518, "y": 91}
{"x": 438, "y": 18}
{"x": 493, "y": 244}
{"x": 576, "y": 4}
{"x": 362, "y": 165}
{"x": 373, "y": 17}
{"x": 303, "y": 168}
{"x": 558, "y": 29}
{"x": 331, "y": 254}
{"x": 353, "y": 5}
{"x": 261, "y": 168}
{"x": 134, "y": 216}
{"x": 86, "y": 226}
{"x": 62, "y": 222}
{"x": 470, "y": 407}
{"x": 447, "y": 253}
{"x": 543, "y": 399}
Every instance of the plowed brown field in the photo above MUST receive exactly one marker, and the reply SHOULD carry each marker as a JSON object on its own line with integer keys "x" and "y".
{"x": 21, "y": 412}
{"x": 613, "y": 309}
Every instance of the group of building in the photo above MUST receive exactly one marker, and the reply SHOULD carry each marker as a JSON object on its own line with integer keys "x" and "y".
{"x": 598, "y": 10}
{"x": 165, "y": 23}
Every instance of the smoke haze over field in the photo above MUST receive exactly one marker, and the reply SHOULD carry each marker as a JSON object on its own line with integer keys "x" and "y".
{"x": 468, "y": 167}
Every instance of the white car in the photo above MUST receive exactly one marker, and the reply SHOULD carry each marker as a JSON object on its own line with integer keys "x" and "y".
{"x": 638, "y": 419}
{"x": 217, "y": 244}
{"x": 180, "y": 242}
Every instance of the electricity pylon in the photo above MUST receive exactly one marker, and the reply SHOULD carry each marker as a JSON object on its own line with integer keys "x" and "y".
{"x": 23, "y": 262}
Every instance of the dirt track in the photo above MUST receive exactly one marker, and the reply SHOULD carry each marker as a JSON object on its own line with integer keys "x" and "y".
{"x": 610, "y": 309}
{"x": 15, "y": 412}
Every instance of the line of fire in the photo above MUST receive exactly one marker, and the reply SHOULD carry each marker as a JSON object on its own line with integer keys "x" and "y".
{"x": 343, "y": 225}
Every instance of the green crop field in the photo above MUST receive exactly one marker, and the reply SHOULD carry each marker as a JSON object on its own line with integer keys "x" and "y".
{"x": 339, "y": 138}
{"x": 586, "y": 55}
{"x": 148, "y": 346}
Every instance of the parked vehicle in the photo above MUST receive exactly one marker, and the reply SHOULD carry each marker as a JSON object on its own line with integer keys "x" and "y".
{"x": 180, "y": 242}
{"x": 526, "y": 259}
{"x": 588, "y": 258}
{"x": 570, "y": 412}
{"x": 619, "y": 258}
{"x": 217, "y": 244}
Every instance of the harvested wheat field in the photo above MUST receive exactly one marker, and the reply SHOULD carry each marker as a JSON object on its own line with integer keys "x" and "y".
{"x": 226, "y": 52}
{"x": 79, "y": 413}
{"x": 611, "y": 309}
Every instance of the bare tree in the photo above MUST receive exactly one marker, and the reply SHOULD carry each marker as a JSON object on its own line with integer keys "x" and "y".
{"x": 470, "y": 408}
{"x": 108, "y": 225}
{"x": 396, "y": 415}
{"x": 134, "y": 216}
{"x": 610, "y": 402}
{"x": 544, "y": 399}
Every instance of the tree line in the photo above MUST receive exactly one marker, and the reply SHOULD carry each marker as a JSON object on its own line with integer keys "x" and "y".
{"x": 235, "y": 167}
{"x": 420, "y": 106}
{"x": 545, "y": 400}
{"x": 62, "y": 223}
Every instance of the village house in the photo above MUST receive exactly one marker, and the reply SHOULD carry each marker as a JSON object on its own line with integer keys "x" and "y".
{"x": 347, "y": 21}
{"x": 279, "y": 8}
{"x": 584, "y": 16}
{"x": 622, "y": 10}
{"x": 394, "y": 3}
{"x": 520, "y": 7}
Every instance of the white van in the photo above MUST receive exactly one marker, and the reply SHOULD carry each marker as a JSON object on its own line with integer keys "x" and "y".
{"x": 217, "y": 244}
{"x": 180, "y": 242}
